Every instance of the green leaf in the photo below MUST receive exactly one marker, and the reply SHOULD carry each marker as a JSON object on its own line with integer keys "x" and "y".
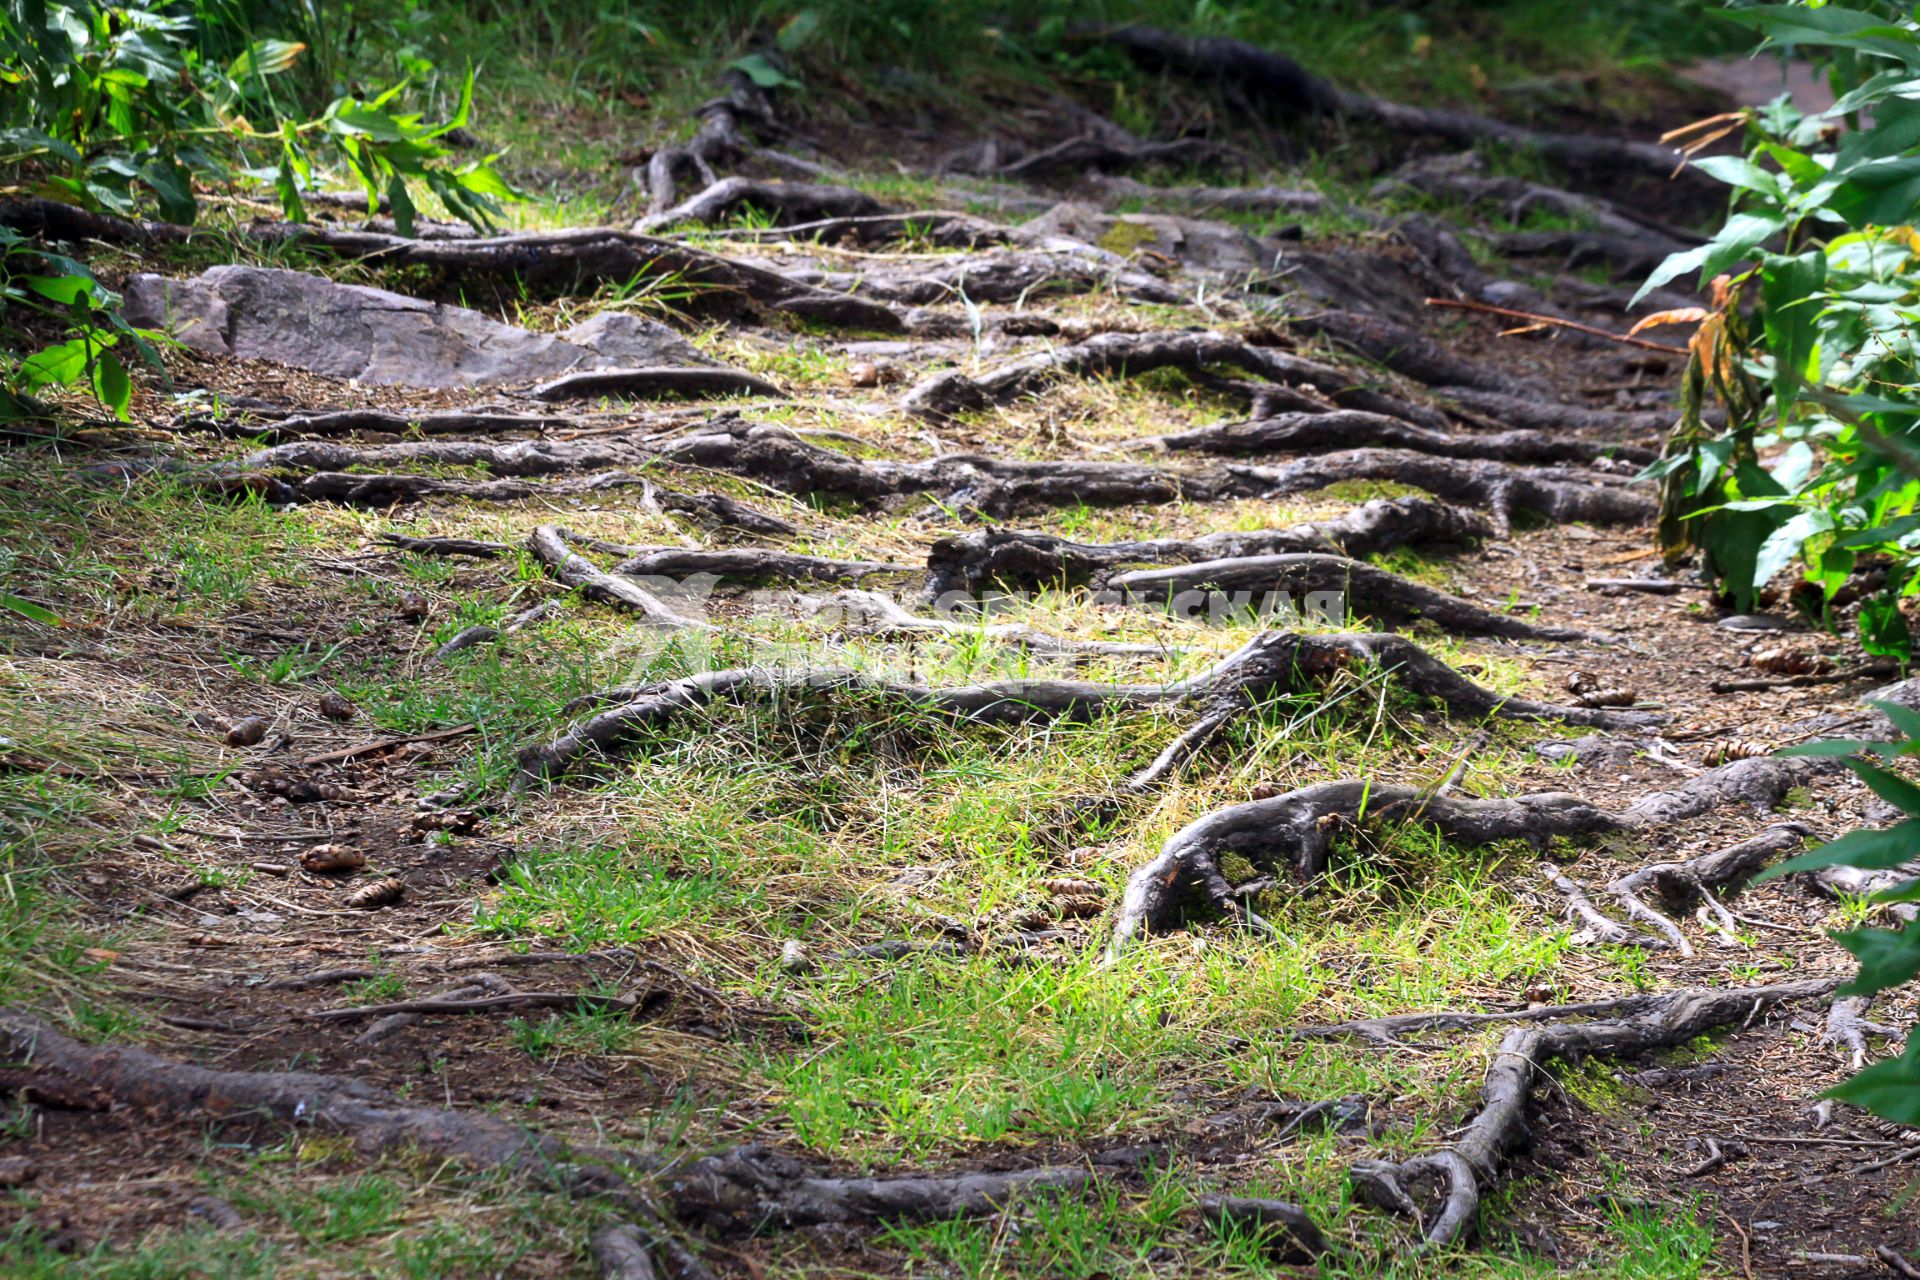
{"x": 1868, "y": 850}
{"x": 173, "y": 185}
{"x": 1891, "y": 787}
{"x": 1789, "y": 289}
{"x": 62, "y": 364}
{"x": 111, "y": 385}
{"x": 762, "y": 72}
{"x": 65, "y": 290}
{"x": 1904, "y": 719}
{"x": 1888, "y": 957}
{"x": 401, "y": 203}
{"x": 1784, "y": 543}
{"x": 28, "y": 609}
{"x": 266, "y": 58}
{"x": 1889, "y": 1089}
{"x": 1907, "y": 892}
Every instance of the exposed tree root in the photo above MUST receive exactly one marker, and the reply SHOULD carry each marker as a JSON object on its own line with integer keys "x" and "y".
{"x": 1698, "y": 879}
{"x": 1386, "y": 1031}
{"x": 970, "y": 563}
{"x": 747, "y": 564}
{"x": 1291, "y": 581}
{"x": 1197, "y": 200}
{"x": 869, "y": 613}
{"x": 1848, "y": 1028}
{"x": 942, "y": 228}
{"x": 787, "y": 202}
{"x": 1558, "y": 493}
{"x": 447, "y": 546}
{"x": 1546, "y": 415}
{"x": 548, "y": 544}
{"x": 1290, "y": 1231}
{"x": 1277, "y": 80}
{"x": 1007, "y": 276}
{"x": 650, "y": 384}
{"x": 1111, "y": 354}
{"x": 1463, "y": 177}
{"x": 1409, "y": 352}
{"x": 1473, "y": 1159}
{"x": 1271, "y": 660}
{"x": 752, "y": 1187}
{"x": 716, "y": 140}
{"x": 546, "y": 262}
{"x": 1352, "y": 428}
{"x": 1293, "y": 834}
{"x": 480, "y": 633}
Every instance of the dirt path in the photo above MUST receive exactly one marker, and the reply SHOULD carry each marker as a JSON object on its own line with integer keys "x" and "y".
{"x": 870, "y": 747}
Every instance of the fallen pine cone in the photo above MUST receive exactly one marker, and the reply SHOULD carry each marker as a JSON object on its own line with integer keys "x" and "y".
{"x": 1263, "y": 790}
{"x": 1079, "y": 906}
{"x": 377, "y": 894}
{"x": 1607, "y": 698}
{"x": 1030, "y": 920}
{"x": 1069, "y": 887}
{"x": 1788, "y": 661}
{"x": 247, "y": 732}
{"x": 333, "y": 857}
{"x": 1736, "y": 749}
{"x": 335, "y": 707}
{"x": 413, "y": 607}
{"x": 1582, "y": 681}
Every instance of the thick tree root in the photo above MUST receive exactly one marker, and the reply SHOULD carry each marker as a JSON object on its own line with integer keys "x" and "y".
{"x": 1560, "y": 494}
{"x": 480, "y": 633}
{"x": 1473, "y": 1159}
{"x": 1005, "y": 276}
{"x": 942, "y": 228}
{"x": 1464, "y": 178}
{"x": 548, "y": 543}
{"x": 1266, "y": 584}
{"x": 1409, "y": 352}
{"x": 748, "y": 564}
{"x": 654, "y": 384}
{"x": 546, "y": 262}
{"x": 1534, "y": 413}
{"x": 1115, "y": 354}
{"x": 787, "y": 202}
{"x": 1352, "y": 429}
{"x": 1848, "y": 1028}
{"x": 1291, "y": 1233}
{"x": 750, "y": 1188}
{"x": 971, "y": 563}
{"x": 1293, "y": 835}
{"x": 1271, "y": 660}
{"x": 1277, "y": 80}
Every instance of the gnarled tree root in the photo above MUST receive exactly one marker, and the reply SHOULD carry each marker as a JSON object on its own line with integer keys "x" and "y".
{"x": 970, "y": 563}
{"x": 1698, "y": 879}
{"x": 788, "y": 202}
{"x": 548, "y": 543}
{"x": 1110, "y": 354}
{"x": 547, "y": 262}
{"x": 1294, "y": 581}
{"x": 1473, "y": 1159}
{"x": 1293, "y": 835}
{"x": 1354, "y": 429}
{"x": 1271, "y": 660}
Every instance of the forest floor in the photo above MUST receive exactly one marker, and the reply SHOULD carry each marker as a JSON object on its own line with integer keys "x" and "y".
{"x": 868, "y": 935}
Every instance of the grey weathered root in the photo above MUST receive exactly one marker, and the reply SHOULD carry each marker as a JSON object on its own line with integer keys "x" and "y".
{"x": 1539, "y": 414}
{"x": 1353, "y": 428}
{"x": 1271, "y": 661}
{"x": 1560, "y": 494}
{"x": 970, "y": 563}
{"x": 787, "y": 202}
{"x": 1697, "y": 880}
{"x": 1409, "y": 352}
{"x": 480, "y": 633}
{"x": 868, "y": 613}
{"x": 1276, "y": 80}
{"x": 1293, "y": 835}
{"x": 548, "y": 262}
{"x": 653, "y": 384}
{"x": 1264, "y": 583}
{"x": 1464, "y": 177}
{"x": 741, "y": 1190}
{"x": 1472, "y": 1160}
{"x": 777, "y": 457}
{"x": 1009, "y": 275}
{"x": 548, "y": 543}
{"x": 1113, "y": 354}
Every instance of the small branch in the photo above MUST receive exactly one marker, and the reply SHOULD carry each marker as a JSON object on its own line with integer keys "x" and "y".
{"x": 1534, "y": 318}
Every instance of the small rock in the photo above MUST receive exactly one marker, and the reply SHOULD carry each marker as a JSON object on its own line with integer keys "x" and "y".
{"x": 16, "y": 1170}
{"x": 794, "y": 957}
{"x": 335, "y": 707}
{"x": 1751, "y": 622}
{"x": 247, "y": 732}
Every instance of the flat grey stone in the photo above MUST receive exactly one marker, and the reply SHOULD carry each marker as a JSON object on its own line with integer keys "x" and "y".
{"x": 389, "y": 339}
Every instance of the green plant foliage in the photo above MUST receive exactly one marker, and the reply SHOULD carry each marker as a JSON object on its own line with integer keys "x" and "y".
{"x": 1810, "y": 343}
{"x": 1888, "y": 957}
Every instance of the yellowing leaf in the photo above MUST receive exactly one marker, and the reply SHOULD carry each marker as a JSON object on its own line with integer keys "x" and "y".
{"x": 1679, "y": 315}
